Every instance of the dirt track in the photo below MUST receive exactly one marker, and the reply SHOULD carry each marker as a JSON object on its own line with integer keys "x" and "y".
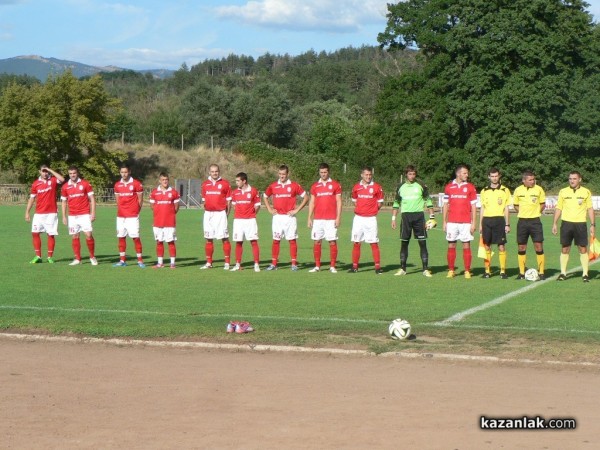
{"x": 65, "y": 395}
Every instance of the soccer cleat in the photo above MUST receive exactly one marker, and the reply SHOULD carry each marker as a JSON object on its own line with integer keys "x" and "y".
{"x": 158, "y": 266}
{"x": 172, "y": 266}
{"x": 486, "y": 275}
{"x": 120, "y": 264}
{"x": 295, "y": 268}
{"x": 235, "y": 268}
{"x": 561, "y": 277}
{"x": 36, "y": 260}
{"x": 315, "y": 269}
{"x": 256, "y": 267}
{"x": 231, "y": 326}
{"x": 503, "y": 276}
{"x": 225, "y": 267}
{"x": 468, "y": 274}
{"x": 271, "y": 267}
{"x": 353, "y": 270}
{"x": 400, "y": 272}
{"x": 75, "y": 262}
{"x": 378, "y": 271}
{"x": 93, "y": 261}
{"x": 542, "y": 277}
{"x": 50, "y": 260}
{"x": 427, "y": 273}
{"x": 141, "y": 265}
{"x": 333, "y": 270}
{"x": 243, "y": 327}
{"x": 450, "y": 274}
{"x": 585, "y": 279}
{"x": 207, "y": 266}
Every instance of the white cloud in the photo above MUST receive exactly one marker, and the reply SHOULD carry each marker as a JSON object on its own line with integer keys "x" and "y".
{"x": 323, "y": 15}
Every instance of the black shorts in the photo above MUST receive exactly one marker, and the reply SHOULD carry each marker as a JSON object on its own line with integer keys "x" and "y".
{"x": 493, "y": 231}
{"x": 527, "y": 228}
{"x": 573, "y": 231}
{"x": 413, "y": 223}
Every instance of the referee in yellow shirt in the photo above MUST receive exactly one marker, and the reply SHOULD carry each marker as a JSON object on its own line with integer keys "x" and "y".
{"x": 493, "y": 220}
{"x": 573, "y": 204}
{"x": 529, "y": 201}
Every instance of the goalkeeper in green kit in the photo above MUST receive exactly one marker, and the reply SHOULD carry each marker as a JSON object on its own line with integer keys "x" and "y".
{"x": 411, "y": 199}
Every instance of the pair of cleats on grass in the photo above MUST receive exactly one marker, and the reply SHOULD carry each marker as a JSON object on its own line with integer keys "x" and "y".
{"x": 239, "y": 327}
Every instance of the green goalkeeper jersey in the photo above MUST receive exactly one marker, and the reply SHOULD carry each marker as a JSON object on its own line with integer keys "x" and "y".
{"x": 412, "y": 197}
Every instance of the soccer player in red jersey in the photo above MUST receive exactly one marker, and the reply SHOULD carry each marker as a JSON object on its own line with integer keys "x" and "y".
{"x": 129, "y": 193}
{"x": 78, "y": 196}
{"x": 164, "y": 201}
{"x": 324, "y": 216}
{"x": 459, "y": 213}
{"x": 216, "y": 196}
{"x": 284, "y": 193}
{"x": 45, "y": 219}
{"x": 367, "y": 197}
{"x": 246, "y": 203}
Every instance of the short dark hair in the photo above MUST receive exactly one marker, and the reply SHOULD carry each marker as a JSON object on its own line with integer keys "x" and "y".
{"x": 73, "y": 167}
{"x": 283, "y": 167}
{"x": 124, "y": 166}
{"x": 575, "y": 172}
{"x": 242, "y": 176}
{"x": 461, "y": 166}
{"x": 163, "y": 174}
{"x": 493, "y": 170}
{"x": 410, "y": 168}
{"x": 323, "y": 166}
{"x": 369, "y": 168}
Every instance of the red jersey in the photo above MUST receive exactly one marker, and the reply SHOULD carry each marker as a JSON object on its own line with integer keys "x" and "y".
{"x": 77, "y": 196}
{"x": 44, "y": 192}
{"x": 325, "y": 199}
{"x": 164, "y": 206}
{"x": 460, "y": 198}
{"x": 245, "y": 202}
{"x": 367, "y": 198}
{"x": 126, "y": 194}
{"x": 284, "y": 195}
{"x": 216, "y": 194}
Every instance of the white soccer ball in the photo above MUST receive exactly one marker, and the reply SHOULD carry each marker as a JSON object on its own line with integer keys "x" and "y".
{"x": 399, "y": 329}
{"x": 532, "y": 275}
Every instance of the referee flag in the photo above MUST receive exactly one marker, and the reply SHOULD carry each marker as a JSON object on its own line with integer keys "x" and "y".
{"x": 481, "y": 253}
{"x": 594, "y": 251}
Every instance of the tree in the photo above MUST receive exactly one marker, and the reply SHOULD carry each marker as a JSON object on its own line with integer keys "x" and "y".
{"x": 497, "y": 86}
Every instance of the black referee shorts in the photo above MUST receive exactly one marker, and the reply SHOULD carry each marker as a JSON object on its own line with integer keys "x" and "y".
{"x": 527, "y": 228}
{"x": 493, "y": 231}
{"x": 573, "y": 231}
{"x": 413, "y": 223}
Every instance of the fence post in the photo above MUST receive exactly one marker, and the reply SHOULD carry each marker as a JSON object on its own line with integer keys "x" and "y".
{"x": 182, "y": 142}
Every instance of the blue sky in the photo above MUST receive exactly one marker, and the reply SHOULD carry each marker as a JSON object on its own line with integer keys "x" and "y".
{"x": 153, "y": 34}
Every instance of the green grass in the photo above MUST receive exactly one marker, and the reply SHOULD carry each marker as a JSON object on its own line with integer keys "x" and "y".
{"x": 342, "y": 310}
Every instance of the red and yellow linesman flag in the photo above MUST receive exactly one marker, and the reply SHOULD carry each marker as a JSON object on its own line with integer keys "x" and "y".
{"x": 594, "y": 251}
{"x": 481, "y": 251}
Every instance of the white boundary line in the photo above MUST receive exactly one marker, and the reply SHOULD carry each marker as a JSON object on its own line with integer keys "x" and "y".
{"x": 287, "y": 349}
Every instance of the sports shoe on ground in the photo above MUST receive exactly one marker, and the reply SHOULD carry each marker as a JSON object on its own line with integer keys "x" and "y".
{"x": 256, "y": 267}
{"x": 207, "y": 266}
{"x": 400, "y": 272}
{"x": 521, "y": 276}
{"x": 333, "y": 270}
{"x": 93, "y": 261}
{"x": 120, "y": 264}
{"x": 486, "y": 275}
{"x": 171, "y": 266}
{"x": 225, "y": 267}
{"x": 315, "y": 269}
{"x": 427, "y": 273}
{"x": 542, "y": 277}
{"x": 75, "y": 262}
{"x": 352, "y": 270}
{"x": 235, "y": 268}
{"x": 378, "y": 271}
{"x": 50, "y": 260}
{"x": 36, "y": 260}
{"x": 295, "y": 268}
{"x": 468, "y": 274}
{"x": 561, "y": 277}
{"x": 450, "y": 274}
{"x": 503, "y": 276}
{"x": 158, "y": 266}
{"x": 231, "y": 326}
{"x": 243, "y": 327}
{"x": 141, "y": 265}
{"x": 585, "y": 279}
{"x": 271, "y": 267}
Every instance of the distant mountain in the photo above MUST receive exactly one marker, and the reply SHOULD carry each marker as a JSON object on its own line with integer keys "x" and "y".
{"x": 40, "y": 67}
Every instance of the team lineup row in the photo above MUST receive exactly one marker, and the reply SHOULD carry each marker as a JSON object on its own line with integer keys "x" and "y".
{"x": 284, "y": 198}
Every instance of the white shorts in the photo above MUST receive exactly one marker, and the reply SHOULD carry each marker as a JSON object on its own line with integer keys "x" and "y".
{"x": 245, "y": 228}
{"x": 128, "y": 226}
{"x": 364, "y": 229}
{"x": 164, "y": 234}
{"x": 80, "y": 223}
{"x": 324, "y": 229}
{"x": 45, "y": 223}
{"x": 458, "y": 232}
{"x": 285, "y": 226}
{"x": 215, "y": 225}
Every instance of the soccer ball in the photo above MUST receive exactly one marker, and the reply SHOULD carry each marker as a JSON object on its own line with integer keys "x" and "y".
{"x": 532, "y": 275}
{"x": 431, "y": 223}
{"x": 399, "y": 329}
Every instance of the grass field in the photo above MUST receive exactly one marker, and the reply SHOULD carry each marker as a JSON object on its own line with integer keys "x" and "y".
{"x": 548, "y": 319}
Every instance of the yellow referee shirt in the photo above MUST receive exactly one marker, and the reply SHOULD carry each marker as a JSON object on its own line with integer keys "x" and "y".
{"x": 529, "y": 201}
{"x": 574, "y": 203}
{"x": 494, "y": 200}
